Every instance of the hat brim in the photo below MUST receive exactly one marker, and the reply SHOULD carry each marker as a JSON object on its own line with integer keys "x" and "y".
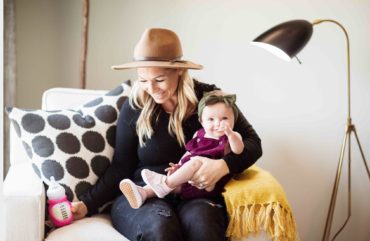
{"x": 161, "y": 64}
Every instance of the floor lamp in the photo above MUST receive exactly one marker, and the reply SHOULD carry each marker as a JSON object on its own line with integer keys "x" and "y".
{"x": 286, "y": 40}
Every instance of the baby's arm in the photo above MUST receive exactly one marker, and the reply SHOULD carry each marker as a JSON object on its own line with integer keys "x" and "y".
{"x": 235, "y": 140}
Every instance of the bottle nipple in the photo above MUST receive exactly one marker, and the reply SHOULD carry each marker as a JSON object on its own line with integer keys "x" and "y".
{"x": 55, "y": 190}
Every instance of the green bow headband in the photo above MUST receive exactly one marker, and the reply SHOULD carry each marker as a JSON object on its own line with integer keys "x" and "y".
{"x": 211, "y": 98}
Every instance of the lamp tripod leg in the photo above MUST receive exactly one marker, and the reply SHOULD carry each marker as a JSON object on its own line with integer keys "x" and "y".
{"x": 329, "y": 217}
{"x": 349, "y": 177}
{"x": 350, "y": 128}
{"x": 362, "y": 153}
{"x": 349, "y": 194}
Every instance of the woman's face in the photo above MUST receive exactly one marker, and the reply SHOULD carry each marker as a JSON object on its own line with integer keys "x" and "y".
{"x": 215, "y": 118}
{"x": 160, "y": 83}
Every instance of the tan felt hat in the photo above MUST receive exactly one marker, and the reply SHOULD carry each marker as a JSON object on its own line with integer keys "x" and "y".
{"x": 158, "y": 47}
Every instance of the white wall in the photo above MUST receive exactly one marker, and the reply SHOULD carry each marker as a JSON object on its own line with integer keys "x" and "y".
{"x": 298, "y": 110}
{"x": 1, "y": 125}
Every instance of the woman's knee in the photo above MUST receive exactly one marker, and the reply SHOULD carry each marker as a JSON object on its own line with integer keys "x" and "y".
{"x": 155, "y": 220}
{"x": 202, "y": 219}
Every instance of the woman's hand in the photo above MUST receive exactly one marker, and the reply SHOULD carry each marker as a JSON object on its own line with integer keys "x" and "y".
{"x": 79, "y": 210}
{"x": 209, "y": 173}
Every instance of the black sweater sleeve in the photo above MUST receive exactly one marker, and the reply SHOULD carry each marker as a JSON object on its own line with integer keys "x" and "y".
{"x": 123, "y": 164}
{"x": 237, "y": 163}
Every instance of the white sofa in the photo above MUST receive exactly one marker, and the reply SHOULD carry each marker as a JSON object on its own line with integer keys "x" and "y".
{"x": 24, "y": 194}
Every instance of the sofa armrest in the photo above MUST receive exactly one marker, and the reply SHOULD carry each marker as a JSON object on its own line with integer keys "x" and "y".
{"x": 24, "y": 204}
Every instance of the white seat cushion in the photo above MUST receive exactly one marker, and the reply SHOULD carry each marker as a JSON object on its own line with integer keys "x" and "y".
{"x": 95, "y": 228}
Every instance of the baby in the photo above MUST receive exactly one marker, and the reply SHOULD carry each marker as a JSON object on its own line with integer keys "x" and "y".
{"x": 217, "y": 113}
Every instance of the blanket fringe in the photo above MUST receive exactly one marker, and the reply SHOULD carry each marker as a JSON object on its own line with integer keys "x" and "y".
{"x": 273, "y": 218}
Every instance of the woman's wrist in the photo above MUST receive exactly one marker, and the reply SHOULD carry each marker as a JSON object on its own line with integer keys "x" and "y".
{"x": 91, "y": 209}
{"x": 223, "y": 167}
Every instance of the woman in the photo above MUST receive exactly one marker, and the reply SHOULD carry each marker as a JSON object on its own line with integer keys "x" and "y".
{"x": 152, "y": 130}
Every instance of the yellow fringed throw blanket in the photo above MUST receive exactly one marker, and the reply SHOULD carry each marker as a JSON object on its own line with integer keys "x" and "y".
{"x": 256, "y": 201}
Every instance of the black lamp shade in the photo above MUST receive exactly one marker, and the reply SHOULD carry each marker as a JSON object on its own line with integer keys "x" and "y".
{"x": 290, "y": 37}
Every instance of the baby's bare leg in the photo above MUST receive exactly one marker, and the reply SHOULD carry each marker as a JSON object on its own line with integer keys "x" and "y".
{"x": 183, "y": 174}
{"x": 149, "y": 192}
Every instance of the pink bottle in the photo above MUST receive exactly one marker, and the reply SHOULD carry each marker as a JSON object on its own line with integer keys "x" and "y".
{"x": 59, "y": 206}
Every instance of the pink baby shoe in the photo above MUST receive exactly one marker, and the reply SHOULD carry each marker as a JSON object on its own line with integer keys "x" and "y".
{"x": 157, "y": 182}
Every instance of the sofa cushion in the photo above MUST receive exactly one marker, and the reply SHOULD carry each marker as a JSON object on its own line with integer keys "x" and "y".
{"x": 95, "y": 228}
{"x": 73, "y": 145}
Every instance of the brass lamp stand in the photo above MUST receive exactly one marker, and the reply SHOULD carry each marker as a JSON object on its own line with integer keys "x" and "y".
{"x": 350, "y": 128}
{"x": 286, "y": 40}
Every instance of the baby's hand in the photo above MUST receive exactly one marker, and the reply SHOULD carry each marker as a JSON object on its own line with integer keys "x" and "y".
{"x": 226, "y": 127}
{"x": 79, "y": 210}
{"x": 172, "y": 168}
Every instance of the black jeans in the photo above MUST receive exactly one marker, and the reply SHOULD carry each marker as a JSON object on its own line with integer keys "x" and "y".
{"x": 171, "y": 219}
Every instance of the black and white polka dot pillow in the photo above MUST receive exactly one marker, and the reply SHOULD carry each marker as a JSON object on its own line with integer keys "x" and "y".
{"x": 75, "y": 145}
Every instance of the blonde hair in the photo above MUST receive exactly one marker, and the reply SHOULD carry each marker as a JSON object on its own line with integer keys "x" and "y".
{"x": 186, "y": 104}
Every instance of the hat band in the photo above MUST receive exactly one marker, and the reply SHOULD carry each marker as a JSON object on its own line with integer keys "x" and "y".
{"x": 177, "y": 59}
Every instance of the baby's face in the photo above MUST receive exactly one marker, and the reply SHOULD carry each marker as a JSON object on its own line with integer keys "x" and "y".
{"x": 215, "y": 118}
